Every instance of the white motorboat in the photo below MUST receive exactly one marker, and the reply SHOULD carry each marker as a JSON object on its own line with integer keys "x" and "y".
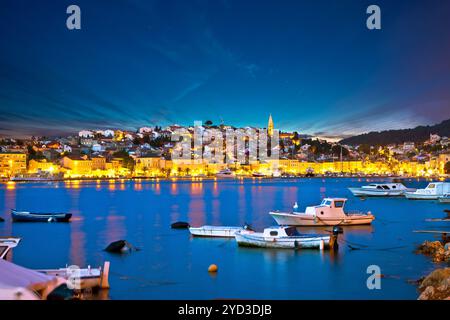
{"x": 445, "y": 198}
{"x": 226, "y": 173}
{"x": 380, "y": 190}
{"x": 6, "y": 244}
{"x": 433, "y": 191}
{"x": 286, "y": 238}
{"x": 220, "y": 232}
{"x": 329, "y": 213}
{"x": 82, "y": 278}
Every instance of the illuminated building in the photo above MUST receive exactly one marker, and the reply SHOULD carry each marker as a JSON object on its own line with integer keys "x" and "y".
{"x": 12, "y": 163}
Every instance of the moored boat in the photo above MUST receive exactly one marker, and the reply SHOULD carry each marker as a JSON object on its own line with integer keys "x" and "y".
{"x": 218, "y": 231}
{"x": 380, "y": 190}
{"x": 7, "y": 244}
{"x": 226, "y": 173}
{"x": 433, "y": 191}
{"x": 286, "y": 238}
{"x": 445, "y": 198}
{"x": 329, "y": 213}
{"x": 258, "y": 175}
{"x": 82, "y": 278}
{"x": 26, "y": 216}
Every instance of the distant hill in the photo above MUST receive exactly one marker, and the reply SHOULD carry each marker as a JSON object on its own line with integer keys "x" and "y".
{"x": 417, "y": 134}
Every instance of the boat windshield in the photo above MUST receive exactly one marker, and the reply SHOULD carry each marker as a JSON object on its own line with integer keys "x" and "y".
{"x": 385, "y": 187}
{"x": 326, "y": 203}
{"x": 431, "y": 186}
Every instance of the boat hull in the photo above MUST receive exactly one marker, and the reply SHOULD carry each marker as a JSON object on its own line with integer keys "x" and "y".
{"x": 360, "y": 192}
{"x": 418, "y": 196}
{"x": 444, "y": 200}
{"x": 288, "y": 219}
{"x": 304, "y": 242}
{"x": 21, "y": 216}
{"x": 210, "y": 231}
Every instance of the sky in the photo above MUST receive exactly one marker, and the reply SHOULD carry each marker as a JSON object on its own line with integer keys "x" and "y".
{"x": 312, "y": 64}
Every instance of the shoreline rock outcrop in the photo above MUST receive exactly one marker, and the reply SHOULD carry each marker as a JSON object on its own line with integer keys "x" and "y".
{"x": 437, "y": 250}
{"x": 436, "y": 286}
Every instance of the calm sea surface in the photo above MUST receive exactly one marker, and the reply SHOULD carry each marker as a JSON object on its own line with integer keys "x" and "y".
{"x": 173, "y": 265}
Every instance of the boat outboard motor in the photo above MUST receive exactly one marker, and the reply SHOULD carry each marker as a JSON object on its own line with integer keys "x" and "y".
{"x": 337, "y": 230}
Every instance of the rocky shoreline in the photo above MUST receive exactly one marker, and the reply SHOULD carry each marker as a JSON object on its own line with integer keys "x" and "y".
{"x": 436, "y": 285}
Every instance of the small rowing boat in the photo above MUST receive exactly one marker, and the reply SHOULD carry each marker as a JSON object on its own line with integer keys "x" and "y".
{"x": 220, "y": 232}
{"x": 25, "y": 216}
{"x": 286, "y": 238}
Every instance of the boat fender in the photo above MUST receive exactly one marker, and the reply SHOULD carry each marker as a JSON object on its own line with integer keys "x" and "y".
{"x": 51, "y": 219}
{"x": 180, "y": 225}
{"x": 337, "y": 230}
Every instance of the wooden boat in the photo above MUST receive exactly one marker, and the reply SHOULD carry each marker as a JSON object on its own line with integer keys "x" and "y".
{"x": 445, "y": 198}
{"x": 329, "y": 213}
{"x": 286, "y": 238}
{"x": 380, "y": 190}
{"x": 25, "y": 216}
{"x": 221, "y": 232}
{"x": 7, "y": 244}
{"x": 433, "y": 191}
{"x": 82, "y": 278}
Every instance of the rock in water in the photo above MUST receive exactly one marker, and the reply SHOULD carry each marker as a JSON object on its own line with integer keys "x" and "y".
{"x": 436, "y": 250}
{"x": 119, "y": 246}
{"x": 436, "y": 286}
{"x": 1, "y": 219}
{"x": 179, "y": 225}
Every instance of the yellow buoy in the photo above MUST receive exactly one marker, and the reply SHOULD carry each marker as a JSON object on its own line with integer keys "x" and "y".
{"x": 213, "y": 268}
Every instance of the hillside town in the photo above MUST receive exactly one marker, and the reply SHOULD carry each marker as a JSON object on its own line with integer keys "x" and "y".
{"x": 147, "y": 152}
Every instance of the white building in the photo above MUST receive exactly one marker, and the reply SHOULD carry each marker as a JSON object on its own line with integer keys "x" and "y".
{"x": 86, "y": 134}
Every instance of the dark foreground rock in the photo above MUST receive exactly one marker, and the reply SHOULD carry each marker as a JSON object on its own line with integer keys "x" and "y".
{"x": 436, "y": 286}
{"x": 120, "y": 246}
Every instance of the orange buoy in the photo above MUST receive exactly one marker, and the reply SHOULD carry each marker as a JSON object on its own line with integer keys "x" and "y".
{"x": 213, "y": 268}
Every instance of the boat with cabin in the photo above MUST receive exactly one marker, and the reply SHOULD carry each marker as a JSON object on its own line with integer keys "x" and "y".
{"x": 26, "y": 216}
{"x": 329, "y": 213}
{"x": 433, "y": 191}
{"x": 286, "y": 238}
{"x": 380, "y": 190}
{"x": 218, "y": 231}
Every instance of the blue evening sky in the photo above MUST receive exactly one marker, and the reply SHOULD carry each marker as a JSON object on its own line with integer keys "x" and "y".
{"x": 313, "y": 64}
